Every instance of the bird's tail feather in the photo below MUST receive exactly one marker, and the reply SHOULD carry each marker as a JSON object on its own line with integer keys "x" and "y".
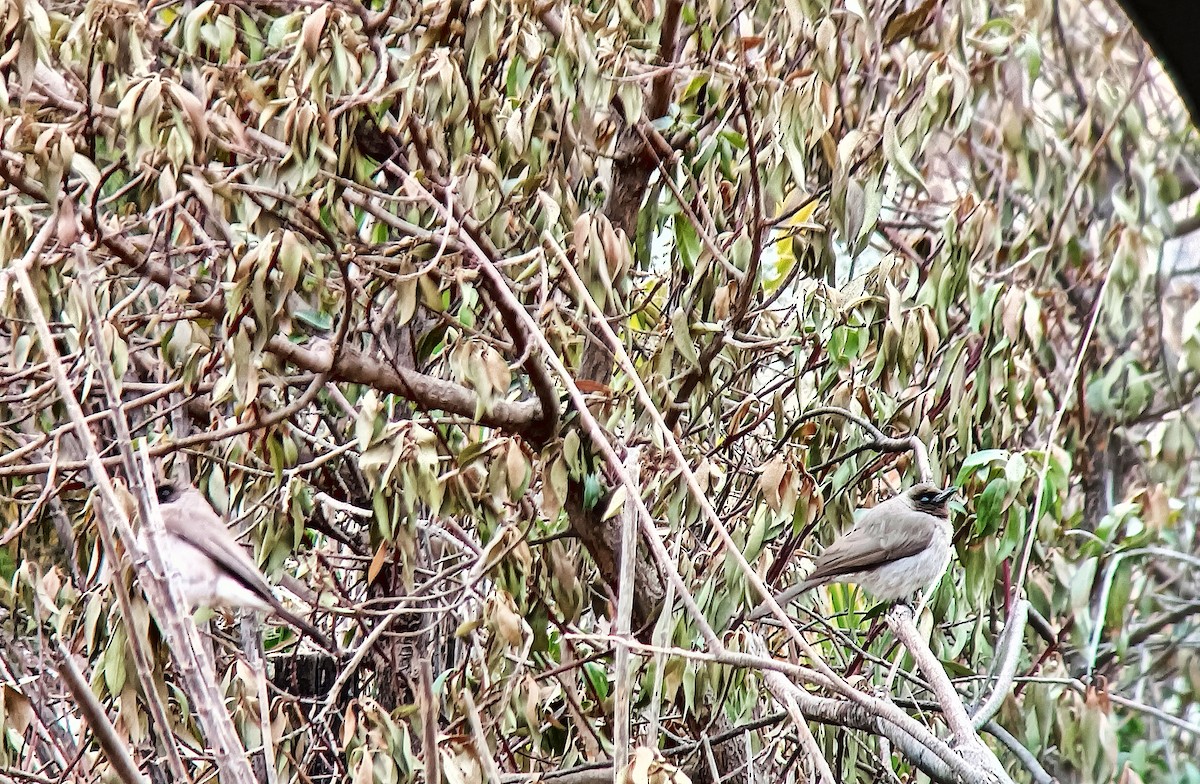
{"x": 311, "y": 631}
{"x": 785, "y": 598}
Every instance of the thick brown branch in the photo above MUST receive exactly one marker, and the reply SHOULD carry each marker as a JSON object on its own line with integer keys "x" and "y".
{"x": 511, "y": 312}
{"x": 632, "y": 167}
{"x": 668, "y": 49}
{"x": 523, "y": 417}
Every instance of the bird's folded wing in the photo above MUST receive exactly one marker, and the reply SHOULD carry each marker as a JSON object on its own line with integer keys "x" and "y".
{"x": 868, "y": 547}
{"x": 210, "y": 536}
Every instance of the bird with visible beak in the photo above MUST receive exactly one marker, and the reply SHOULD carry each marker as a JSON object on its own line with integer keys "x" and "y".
{"x": 896, "y": 549}
{"x": 215, "y": 570}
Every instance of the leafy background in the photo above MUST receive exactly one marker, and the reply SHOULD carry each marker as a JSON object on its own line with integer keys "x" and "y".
{"x": 327, "y": 240}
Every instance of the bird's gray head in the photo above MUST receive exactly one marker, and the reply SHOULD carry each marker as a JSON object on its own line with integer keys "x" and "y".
{"x": 929, "y": 498}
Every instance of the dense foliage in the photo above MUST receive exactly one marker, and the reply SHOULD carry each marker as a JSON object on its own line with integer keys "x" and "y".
{"x": 406, "y": 288}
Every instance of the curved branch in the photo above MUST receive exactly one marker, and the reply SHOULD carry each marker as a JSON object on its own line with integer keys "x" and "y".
{"x": 847, "y": 714}
{"x": 1008, "y": 650}
{"x": 1039, "y": 774}
{"x": 879, "y": 441}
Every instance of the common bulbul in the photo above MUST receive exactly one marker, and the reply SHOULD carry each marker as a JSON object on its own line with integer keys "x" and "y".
{"x": 896, "y": 548}
{"x": 216, "y": 571}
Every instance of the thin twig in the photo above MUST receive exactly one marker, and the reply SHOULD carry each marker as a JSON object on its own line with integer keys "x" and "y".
{"x": 481, "y": 746}
{"x": 429, "y": 721}
{"x": 1035, "y": 514}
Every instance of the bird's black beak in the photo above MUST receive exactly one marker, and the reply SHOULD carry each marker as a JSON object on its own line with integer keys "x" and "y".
{"x": 946, "y": 494}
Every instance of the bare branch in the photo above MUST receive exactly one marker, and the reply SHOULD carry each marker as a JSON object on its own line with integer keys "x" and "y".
{"x": 93, "y": 713}
{"x": 622, "y": 731}
{"x": 900, "y": 621}
{"x": 1008, "y": 653}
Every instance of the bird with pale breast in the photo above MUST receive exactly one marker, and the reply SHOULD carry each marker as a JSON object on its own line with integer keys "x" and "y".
{"x": 215, "y": 570}
{"x": 896, "y": 548}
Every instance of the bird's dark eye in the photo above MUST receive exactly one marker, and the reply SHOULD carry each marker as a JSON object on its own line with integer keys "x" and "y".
{"x": 165, "y": 493}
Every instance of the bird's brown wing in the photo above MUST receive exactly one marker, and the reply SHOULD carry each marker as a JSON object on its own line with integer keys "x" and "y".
{"x": 883, "y": 535}
{"x": 191, "y": 519}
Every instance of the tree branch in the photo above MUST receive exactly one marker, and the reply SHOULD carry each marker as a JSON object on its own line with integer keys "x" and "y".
{"x": 900, "y": 620}
{"x": 106, "y": 735}
{"x": 523, "y": 417}
{"x": 526, "y": 418}
{"x": 1008, "y": 653}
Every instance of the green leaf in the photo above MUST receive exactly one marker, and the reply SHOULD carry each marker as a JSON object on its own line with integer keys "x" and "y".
{"x": 681, "y": 335}
{"x": 592, "y": 490}
{"x": 597, "y": 676}
{"x": 896, "y": 153}
{"x": 315, "y": 318}
{"x": 988, "y": 507}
